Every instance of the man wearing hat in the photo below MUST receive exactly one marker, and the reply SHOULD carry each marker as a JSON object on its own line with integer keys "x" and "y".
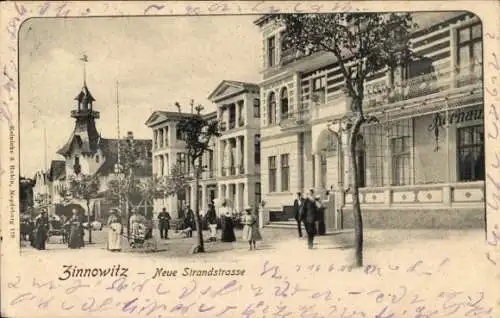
{"x": 309, "y": 217}
{"x": 297, "y": 207}
{"x": 164, "y": 223}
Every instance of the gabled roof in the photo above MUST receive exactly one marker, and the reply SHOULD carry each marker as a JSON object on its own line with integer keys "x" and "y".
{"x": 109, "y": 148}
{"x": 84, "y": 95}
{"x": 160, "y": 116}
{"x": 228, "y": 88}
{"x": 57, "y": 170}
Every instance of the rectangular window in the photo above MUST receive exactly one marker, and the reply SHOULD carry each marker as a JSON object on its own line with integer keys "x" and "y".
{"x": 182, "y": 162}
{"x": 257, "y": 149}
{"x": 469, "y": 47}
{"x": 258, "y": 195}
{"x": 272, "y": 174}
{"x": 271, "y": 51}
{"x": 256, "y": 108}
{"x": 179, "y": 135}
{"x": 285, "y": 173}
{"x": 319, "y": 90}
{"x": 400, "y": 149}
{"x": 470, "y": 151}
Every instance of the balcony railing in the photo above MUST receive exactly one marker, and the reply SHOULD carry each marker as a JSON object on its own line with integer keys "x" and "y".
{"x": 378, "y": 94}
{"x": 289, "y": 55}
{"x": 295, "y": 118}
{"x": 232, "y": 170}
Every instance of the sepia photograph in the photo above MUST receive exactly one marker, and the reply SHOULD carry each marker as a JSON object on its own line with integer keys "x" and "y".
{"x": 315, "y": 161}
{"x": 142, "y": 134}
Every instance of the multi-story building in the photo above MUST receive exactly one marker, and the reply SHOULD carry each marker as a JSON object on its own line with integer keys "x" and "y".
{"x": 87, "y": 153}
{"x": 422, "y": 163}
{"x": 232, "y": 162}
{"x": 169, "y": 148}
{"x": 238, "y": 111}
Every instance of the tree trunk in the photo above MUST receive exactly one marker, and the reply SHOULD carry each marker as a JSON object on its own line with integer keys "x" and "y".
{"x": 199, "y": 229}
{"x": 356, "y": 208}
{"x": 88, "y": 221}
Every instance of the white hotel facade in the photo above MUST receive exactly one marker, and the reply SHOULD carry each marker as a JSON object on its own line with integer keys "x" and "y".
{"x": 231, "y": 166}
{"x": 418, "y": 169}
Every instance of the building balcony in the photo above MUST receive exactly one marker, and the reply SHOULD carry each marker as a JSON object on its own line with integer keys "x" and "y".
{"x": 379, "y": 93}
{"x": 85, "y": 113}
{"x": 289, "y": 55}
{"x": 294, "y": 119}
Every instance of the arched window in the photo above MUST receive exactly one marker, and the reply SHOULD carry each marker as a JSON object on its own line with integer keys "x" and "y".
{"x": 284, "y": 103}
{"x": 271, "y": 109}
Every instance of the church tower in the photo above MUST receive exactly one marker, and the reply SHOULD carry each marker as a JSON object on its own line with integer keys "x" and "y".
{"x": 81, "y": 151}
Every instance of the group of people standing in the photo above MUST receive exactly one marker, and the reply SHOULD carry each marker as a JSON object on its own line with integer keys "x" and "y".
{"x": 310, "y": 212}
{"x": 70, "y": 228}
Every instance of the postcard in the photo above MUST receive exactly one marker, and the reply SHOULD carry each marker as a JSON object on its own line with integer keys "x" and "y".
{"x": 250, "y": 159}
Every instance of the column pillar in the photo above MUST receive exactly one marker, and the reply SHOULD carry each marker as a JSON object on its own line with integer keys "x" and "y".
{"x": 193, "y": 192}
{"x": 238, "y": 154}
{"x": 204, "y": 200}
{"x": 221, "y": 158}
{"x": 237, "y": 114}
{"x": 237, "y": 201}
{"x": 155, "y": 138}
{"x": 165, "y": 135}
{"x": 317, "y": 172}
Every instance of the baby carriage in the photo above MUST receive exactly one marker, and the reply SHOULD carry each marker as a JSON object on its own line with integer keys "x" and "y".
{"x": 140, "y": 237}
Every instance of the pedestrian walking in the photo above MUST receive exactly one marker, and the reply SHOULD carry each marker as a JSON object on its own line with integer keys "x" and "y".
{"x": 76, "y": 231}
{"x": 164, "y": 223}
{"x": 309, "y": 217}
{"x": 189, "y": 221}
{"x": 114, "y": 231}
{"x": 41, "y": 230}
{"x": 227, "y": 225}
{"x": 297, "y": 206}
{"x": 211, "y": 218}
{"x": 321, "y": 216}
{"x": 251, "y": 231}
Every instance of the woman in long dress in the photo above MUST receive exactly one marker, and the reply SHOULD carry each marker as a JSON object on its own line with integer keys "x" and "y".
{"x": 227, "y": 225}
{"x": 114, "y": 232}
{"x": 41, "y": 231}
{"x": 76, "y": 231}
{"x": 251, "y": 231}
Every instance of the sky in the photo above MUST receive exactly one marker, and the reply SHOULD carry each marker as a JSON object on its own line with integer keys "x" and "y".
{"x": 157, "y": 61}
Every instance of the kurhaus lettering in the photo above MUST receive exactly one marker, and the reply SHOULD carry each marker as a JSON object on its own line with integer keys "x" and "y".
{"x": 456, "y": 117}
{"x": 72, "y": 271}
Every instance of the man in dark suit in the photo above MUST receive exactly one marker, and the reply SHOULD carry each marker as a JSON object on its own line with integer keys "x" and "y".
{"x": 164, "y": 223}
{"x": 309, "y": 217}
{"x": 297, "y": 205}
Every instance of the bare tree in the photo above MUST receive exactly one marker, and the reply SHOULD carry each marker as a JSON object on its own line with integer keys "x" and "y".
{"x": 361, "y": 44}
{"x": 198, "y": 132}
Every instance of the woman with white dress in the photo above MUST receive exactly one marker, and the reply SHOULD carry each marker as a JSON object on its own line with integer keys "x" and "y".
{"x": 251, "y": 231}
{"x": 114, "y": 231}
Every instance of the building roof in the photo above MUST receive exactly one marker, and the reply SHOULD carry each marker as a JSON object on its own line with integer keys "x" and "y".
{"x": 85, "y": 95}
{"x": 228, "y": 88}
{"x": 109, "y": 148}
{"x": 160, "y": 116}
{"x": 57, "y": 170}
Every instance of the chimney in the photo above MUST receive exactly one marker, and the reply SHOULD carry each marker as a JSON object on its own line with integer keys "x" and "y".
{"x": 130, "y": 135}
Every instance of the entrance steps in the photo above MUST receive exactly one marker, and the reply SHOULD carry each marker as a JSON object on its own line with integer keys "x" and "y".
{"x": 290, "y": 224}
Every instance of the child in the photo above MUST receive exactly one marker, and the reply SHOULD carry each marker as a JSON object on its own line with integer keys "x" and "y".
{"x": 251, "y": 231}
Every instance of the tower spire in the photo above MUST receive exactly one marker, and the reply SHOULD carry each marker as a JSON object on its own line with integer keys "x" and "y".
{"x": 84, "y": 59}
